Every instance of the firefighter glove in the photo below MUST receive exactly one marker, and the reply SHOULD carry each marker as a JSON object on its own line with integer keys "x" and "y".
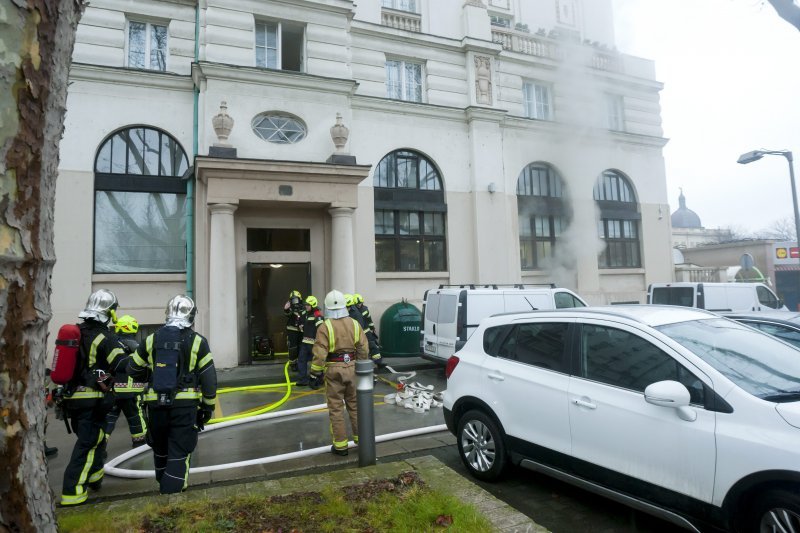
{"x": 315, "y": 381}
{"x": 204, "y": 414}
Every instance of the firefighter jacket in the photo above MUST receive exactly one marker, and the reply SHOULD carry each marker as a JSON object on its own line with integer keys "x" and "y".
{"x": 355, "y": 315}
{"x": 339, "y": 342}
{"x": 367, "y": 319}
{"x": 100, "y": 350}
{"x": 295, "y": 319}
{"x": 124, "y": 385}
{"x": 197, "y": 377}
{"x": 313, "y": 321}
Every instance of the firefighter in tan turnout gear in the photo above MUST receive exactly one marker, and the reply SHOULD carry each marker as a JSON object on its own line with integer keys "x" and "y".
{"x": 340, "y": 341}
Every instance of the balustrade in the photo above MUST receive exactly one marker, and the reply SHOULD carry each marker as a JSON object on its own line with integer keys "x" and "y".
{"x": 401, "y": 20}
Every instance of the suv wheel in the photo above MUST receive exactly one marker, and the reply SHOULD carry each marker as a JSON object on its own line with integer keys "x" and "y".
{"x": 775, "y": 510}
{"x": 480, "y": 445}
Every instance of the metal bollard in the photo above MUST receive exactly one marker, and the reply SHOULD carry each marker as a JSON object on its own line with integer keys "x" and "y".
{"x": 366, "y": 413}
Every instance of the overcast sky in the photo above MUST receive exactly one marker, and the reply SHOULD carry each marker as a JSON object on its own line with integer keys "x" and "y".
{"x": 731, "y": 78}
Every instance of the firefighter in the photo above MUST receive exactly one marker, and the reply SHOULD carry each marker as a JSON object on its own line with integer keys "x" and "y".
{"x": 295, "y": 313}
{"x": 127, "y": 391}
{"x": 88, "y": 397}
{"x": 312, "y": 322}
{"x": 369, "y": 329}
{"x": 181, "y": 392}
{"x": 339, "y": 342}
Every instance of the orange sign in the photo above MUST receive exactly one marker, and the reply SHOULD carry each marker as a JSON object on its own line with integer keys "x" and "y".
{"x": 781, "y": 253}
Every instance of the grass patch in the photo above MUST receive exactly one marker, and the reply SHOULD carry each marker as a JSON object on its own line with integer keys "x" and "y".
{"x": 404, "y": 503}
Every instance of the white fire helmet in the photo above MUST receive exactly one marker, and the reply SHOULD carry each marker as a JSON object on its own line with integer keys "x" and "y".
{"x": 181, "y": 311}
{"x": 101, "y": 306}
{"x": 335, "y": 305}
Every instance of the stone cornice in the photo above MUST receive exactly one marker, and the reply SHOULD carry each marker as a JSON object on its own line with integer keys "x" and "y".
{"x": 486, "y": 114}
{"x": 205, "y": 70}
{"x": 134, "y": 77}
{"x": 401, "y": 107}
{"x": 594, "y": 135}
{"x": 278, "y": 171}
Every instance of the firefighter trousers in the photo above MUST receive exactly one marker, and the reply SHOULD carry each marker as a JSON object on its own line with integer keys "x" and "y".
{"x": 340, "y": 393}
{"x": 304, "y": 357}
{"x": 293, "y": 341}
{"x": 88, "y": 456}
{"x": 172, "y": 433}
{"x": 131, "y": 407}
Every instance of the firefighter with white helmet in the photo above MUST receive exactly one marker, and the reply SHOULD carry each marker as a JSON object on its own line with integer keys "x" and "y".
{"x": 88, "y": 396}
{"x": 181, "y": 394}
{"x": 340, "y": 340}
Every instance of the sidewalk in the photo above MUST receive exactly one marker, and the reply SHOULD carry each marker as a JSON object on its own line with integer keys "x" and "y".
{"x": 266, "y": 372}
{"x": 431, "y": 470}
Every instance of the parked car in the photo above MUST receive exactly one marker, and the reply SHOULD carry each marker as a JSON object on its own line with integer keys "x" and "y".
{"x": 718, "y": 297}
{"x": 452, "y": 312}
{"x": 674, "y": 411}
{"x": 781, "y": 324}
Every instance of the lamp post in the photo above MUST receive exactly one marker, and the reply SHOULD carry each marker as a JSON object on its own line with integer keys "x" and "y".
{"x": 755, "y": 155}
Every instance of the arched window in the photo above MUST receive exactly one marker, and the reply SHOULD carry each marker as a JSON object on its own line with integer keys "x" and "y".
{"x": 410, "y": 214}
{"x": 139, "y": 203}
{"x": 542, "y": 212}
{"x": 619, "y": 221}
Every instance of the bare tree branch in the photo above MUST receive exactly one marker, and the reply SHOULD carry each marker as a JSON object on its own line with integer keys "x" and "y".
{"x": 788, "y": 10}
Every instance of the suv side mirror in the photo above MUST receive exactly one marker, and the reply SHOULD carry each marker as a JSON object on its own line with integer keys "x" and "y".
{"x": 671, "y": 394}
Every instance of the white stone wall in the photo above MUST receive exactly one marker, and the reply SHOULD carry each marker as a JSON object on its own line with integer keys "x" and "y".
{"x": 345, "y": 49}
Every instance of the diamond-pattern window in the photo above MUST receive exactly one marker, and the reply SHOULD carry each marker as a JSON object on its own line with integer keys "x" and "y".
{"x": 279, "y": 128}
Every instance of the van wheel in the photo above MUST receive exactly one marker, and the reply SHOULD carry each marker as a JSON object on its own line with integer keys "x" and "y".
{"x": 480, "y": 445}
{"x": 775, "y": 510}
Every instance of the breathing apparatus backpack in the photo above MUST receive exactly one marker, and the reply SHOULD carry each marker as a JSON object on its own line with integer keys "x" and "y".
{"x": 66, "y": 359}
{"x": 169, "y": 365}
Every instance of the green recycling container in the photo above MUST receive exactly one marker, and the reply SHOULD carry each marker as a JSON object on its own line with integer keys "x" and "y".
{"x": 400, "y": 330}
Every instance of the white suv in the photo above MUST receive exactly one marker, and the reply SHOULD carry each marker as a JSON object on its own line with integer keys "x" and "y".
{"x": 674, "y": 411}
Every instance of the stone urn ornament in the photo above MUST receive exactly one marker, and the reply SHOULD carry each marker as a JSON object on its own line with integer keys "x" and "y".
{"x": 339, "y": 134}
{"x": 223, "y": 124}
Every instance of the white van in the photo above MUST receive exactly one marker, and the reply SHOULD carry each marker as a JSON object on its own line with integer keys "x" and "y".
{"x": 719, "y": 297}
{"x": 452, "y": 312}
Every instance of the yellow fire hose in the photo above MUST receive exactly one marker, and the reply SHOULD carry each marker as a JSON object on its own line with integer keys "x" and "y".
{"x": 258, "y": 410}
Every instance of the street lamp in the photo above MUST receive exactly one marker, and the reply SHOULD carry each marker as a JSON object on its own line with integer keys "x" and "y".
{"x": 755, "y": 155}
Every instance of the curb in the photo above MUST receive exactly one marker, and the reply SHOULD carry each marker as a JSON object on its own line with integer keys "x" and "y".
{"x": 435, "y": 473}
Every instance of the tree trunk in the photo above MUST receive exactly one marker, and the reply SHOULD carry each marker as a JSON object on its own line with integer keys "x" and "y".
{"x": 36, "y": 41}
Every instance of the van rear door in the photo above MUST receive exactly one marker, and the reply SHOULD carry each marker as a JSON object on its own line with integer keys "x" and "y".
{"x": 429, "y": 341}
{"x": 440, "y": 324}
{"x": 667, "y": 295}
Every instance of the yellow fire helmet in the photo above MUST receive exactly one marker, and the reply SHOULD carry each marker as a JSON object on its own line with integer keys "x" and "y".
{"x": 312, "y": 301}
{"x": 126, "y": 325}
{"x": 348, "y": 300}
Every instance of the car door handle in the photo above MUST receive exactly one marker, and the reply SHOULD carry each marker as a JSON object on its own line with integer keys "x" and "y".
{"x": 496, "y": 377}
{"x": 584, "y": 403}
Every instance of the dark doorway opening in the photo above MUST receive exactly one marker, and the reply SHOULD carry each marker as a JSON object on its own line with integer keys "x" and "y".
{"x": 268, "y": 288}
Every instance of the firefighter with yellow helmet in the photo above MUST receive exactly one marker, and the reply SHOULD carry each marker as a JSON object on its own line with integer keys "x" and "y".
{"x": 295, "y": 312}
{"x": 340, "y": 340}
{"x": 369, "y": 329}
{"x": 127, "y": 391}
{"x": 312, "y": 322}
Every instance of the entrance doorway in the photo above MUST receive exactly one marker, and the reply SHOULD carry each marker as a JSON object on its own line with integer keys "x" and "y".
{"x": 268, "y": 288}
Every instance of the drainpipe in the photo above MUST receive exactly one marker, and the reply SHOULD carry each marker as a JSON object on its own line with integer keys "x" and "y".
{"x": 190, "y": 183}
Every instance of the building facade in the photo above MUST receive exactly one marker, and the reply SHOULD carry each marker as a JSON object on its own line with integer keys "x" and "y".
{"x": 238, "y": 150}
